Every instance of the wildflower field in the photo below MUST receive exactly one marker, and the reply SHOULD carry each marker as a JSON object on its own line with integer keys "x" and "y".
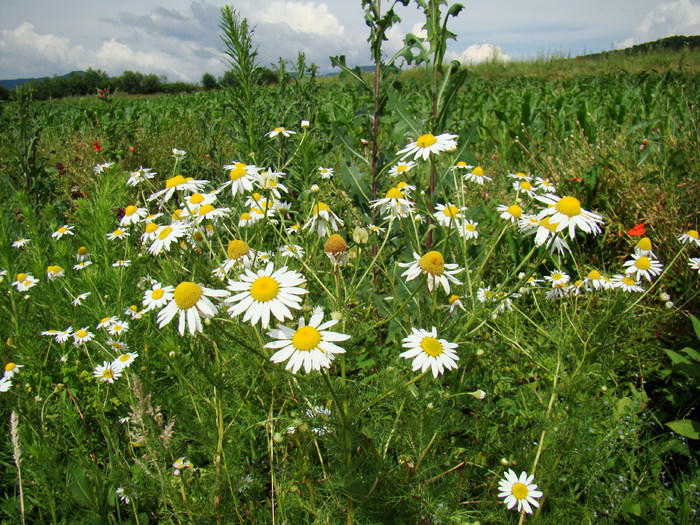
{"x": 438, "y": 296}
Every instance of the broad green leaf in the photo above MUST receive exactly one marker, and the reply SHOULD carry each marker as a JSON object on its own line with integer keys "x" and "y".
{"x": 686, "y": 427}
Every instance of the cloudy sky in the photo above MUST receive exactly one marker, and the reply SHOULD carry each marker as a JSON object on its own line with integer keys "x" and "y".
{"x": 181, "y": 38}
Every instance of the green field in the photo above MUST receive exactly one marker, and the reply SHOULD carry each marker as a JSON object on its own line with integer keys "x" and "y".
{"x": 575, "y": 354}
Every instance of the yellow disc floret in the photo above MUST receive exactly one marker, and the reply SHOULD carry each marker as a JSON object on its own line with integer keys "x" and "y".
{"x": 175, "y": 181}
{"x": 520, "y": 491}
{"x": 431, "y": 346}
{"x": 643, "y": 263}
{"x": 187, "y": 294}
{"x": 644, "y": 244}
{"x": 264, "y": 289}
{"x": 236, "y": 249}
{"x": 569, "y": 206}
{"x": 478, "y": 171}
{"x": 335, "y": 245}
{"x": 426, "y": 140}
{"x": 306, "y": 338}
{"x": 321, "y": 206}
{"x": 394, "y": 193}
{"x": 432, "y": 263}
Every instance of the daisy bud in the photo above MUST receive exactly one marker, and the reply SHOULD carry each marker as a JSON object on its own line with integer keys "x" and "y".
{"x": 314, "y": 188}
{"x": 478, "y": 394}
{"x": 360, "y": 235}
{"x": 304, "y": 124}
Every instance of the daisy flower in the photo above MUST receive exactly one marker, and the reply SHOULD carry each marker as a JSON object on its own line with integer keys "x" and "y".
{"x": 427, "y": 351}
{"x": 165, "y": 236}
{"x": 24, "y": 282}
{"x": 455, "y": 301}
{"x": 467, "y": 229}
{"x": 595, "y": 281}
{"x": 557, "y": 278}
{"x": 101, "y": 168}
{"x": 54, "y": 272}
{"x": 401, "y": 168}
{"x": 477, "y": 175}
{"x": 520, "y": 176}
{"x": 140, "y": 175}
{"x": 63, "y": 230}
{"x": 239, "y": 255}
{"x": 82, "y": 254}
{"x": 519, "y": 490}
{"x": 12, "y": 369}
{"x": 393, "y": 205}
{"x": 524, "y": 186}
{"x": 122, "y": 263}
{"x": 178, "y": 183}
{"x": 182, "y": 464}
{"x": 448, "y": 214}
{"x": 405, "y": 187}
{"x": 694, "y": 263}
{"x": 461, "y": 165}
{"x": 107, "y": 372}
{"x": 191, "y": 302}
{"x": 133, "y": 215}
{"x": 433, "y": 265}
{"x": 427, "y": 144}
{"x": 323, "y": 220}
{"x": 118, "y": 327}
{"x": 117, "y": 346}
{"x": 209, "y": 212}
{"x": 117, "y": 234}
{"x": 642, "y": 266}
{"x": 545, "y": 185}
{"x": 82, "y": 265}
{"x": 196, "y": 200}
{"x": 325, "y": 173}
{"x": 311, "y": 346}
{"x": 19, "y": 243}
{"x": 566, "y": 212}
{"x": 294, "y": 228}
{"x": 690, "y": 237}
{"x": 291, "y": 250}
{"x": 264, "y": 293}
{"x": 240, "y": 178}
{"x": 178, "y": 153}
{"x": 157, "y": 297}
{"x": 106, "y": 322}
{"x": 511, "y": 213}
{"x": 82, "y": 336}
{"x": 5, "y": 384}
{"x": 336, "y": 249}
{"x": 133, "y": 312}
{"x": 643, "y": 247}
{"x": 124, "y": 360}
{"x": 150, "y": 233}
{"x": 626, "y": 283}
{"x": 280, "y": 131}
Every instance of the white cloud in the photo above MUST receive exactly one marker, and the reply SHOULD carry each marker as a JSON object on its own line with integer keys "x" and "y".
{"x": 681, "y": 17}
{"x": 419, "y": 30}
{"x": 302, "y": 17}
{"x": 477, "y": 53}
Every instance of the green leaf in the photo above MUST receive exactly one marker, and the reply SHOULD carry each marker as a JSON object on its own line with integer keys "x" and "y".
{"x": 686, "y": 427}
{"x": 696, "y": 326}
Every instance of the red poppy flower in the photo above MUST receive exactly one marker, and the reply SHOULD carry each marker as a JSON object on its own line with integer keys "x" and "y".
{"x": 97, "y": 146}
{"x": 637, "y": 231}
{"x": 132, "y": 149}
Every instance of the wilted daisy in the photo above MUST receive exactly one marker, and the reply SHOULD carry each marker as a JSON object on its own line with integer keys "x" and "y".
{"x": 477, "y": 175}
{"x": 133, "y": 312}
{"x": 107, "y": 372}
{"x": 241, "y": 178}
{"x": 427, "y": 351}
{"x": 11, "y": 369}
{"x": 78, "y": 300}
{"x": 63, "y": 230}
{"x": 24, "y": 282}
{"x": 512, "y": 213}
{"x": 133, "y": 215}
{"x": 546, "y": 233}
{"x": 642, "y": 266}
{"x": 427, "y": 144}
{"x": 118, "y": 234}
{"x": 116, "y": 346}
{"x": 140, "y": 175}
{"x": 337, "y": 250}
{"x": 394, "y": 204}
{"x": 54, "y": 272}
{"x": 82, "y": 336}
{"x": 191, "y": 302}
{"x": 694, "y": 263}
{"x": 455, "y": 301}
{"x": 690, "y": 237}
{"x": 433, "y": 265}
{"x": 519, "y": 490}
{"x": 82, "y": 254}
{"x": 269, "y": 181}
{"x": 448, "y": 214}
{"x": 323, "y": 220}
{"x": 401, "y": 168}
{"x": 280, "y": 131}
{"x": 405, "y": 187}
{"x": 325, "y": 173}
{"x": 20, "y": 243}
{"x": 165, "y": 236}
{"x": 311, "y": 346}
{"x": 157, "y": 297}
{"x": 643, "y": 247}
{"x": 566, "y": 212}
{"x": 101, "y": 168}
{"x": 264, "y": 293}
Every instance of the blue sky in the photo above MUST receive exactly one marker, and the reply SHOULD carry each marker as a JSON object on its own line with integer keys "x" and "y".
{"x": 180, "y": 38}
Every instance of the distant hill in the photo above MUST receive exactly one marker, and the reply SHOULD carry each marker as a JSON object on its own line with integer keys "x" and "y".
{"x": 671, "y": 43}
{"x": 12, "y": 84}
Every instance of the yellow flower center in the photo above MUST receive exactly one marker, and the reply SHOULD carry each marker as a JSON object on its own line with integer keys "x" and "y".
{"x": 569, "y": 206}
{"x": 21, "y": 277}
{"x": 117, "y": 328}
{"x": 401, "y": 168}
{"x": 470, "y": 227}
{"x": 166, "y": 231}
{"x": 207, "y": 208}
{"x": 108, "y": 373}
{"x": 157, "y": 293}
{"x": 643, "y": 263}
{"x": 236, "y": 249}
{"x": 81, "y": 333}
{"x": 245, "y": 216}
{"x": 594, "y": 275}
{"x": 628, "y": 281}
{"x": 426, "y": 140}
{"x": 54, "y": 270}
{"x": 9, "y": 367}
{"x": 306, "y": 338}
{"x": 432, "y": 263}
{"x": 151, "y": 227}
{"x": 525, "y": 185}
{"x": 520, "y": 491}
{"x": 196, "y": 198}
{"x": 556, "y": 276}
{"x": 693, "y": 233}
{"x": 82, "y": 250}
{"x": 335, "y": 244}
{"x": 394, "y": 193}
{"x": 187, "y": 294}
{"x": 515, "y": 210}
{"x": 520, "y": 175}
{"x": 451, "y": 211}
{"x": 104, "y": 320}
{"x": 237, "y": 172}
{"x": 461, "y": 163}
{"x": 175, "y": 181}
{"x": 452, "y": 299}
{"x": 431, "y": 346}
{"x": 129, "y": 210}
{"x": 264, "y": 289}
{"x": 551, "y": 226}
{"x": 478, "y": 171}
{"x": 118, "y": 233}
{"x": 321, "y": 206}
{"x": 62, "y": 229}
{"x": 279, "y": 130}
{"x": 177, "y": 214}
{"x": 125, "y": 357}
{"x": 402, "y": 185}
{"x": 644, "y": 244}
